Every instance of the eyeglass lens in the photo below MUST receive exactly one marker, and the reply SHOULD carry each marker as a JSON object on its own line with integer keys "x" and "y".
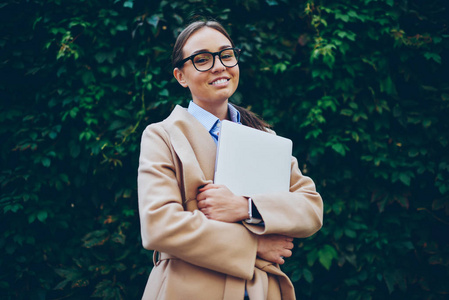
{"x": 205, "y": 61}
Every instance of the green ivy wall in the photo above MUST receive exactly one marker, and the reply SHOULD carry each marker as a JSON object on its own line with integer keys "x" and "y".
{"x": 361, "y": 86}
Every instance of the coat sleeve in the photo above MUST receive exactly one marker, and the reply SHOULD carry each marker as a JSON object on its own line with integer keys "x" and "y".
{"x": 227, "y": 248}
{"x": 297, "y": 213}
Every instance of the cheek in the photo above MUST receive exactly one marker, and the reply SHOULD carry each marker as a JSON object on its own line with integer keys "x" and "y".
{"x": 198, "y": 84}
{"x": 194, "y": 80}
{"x": 236, "y": 72}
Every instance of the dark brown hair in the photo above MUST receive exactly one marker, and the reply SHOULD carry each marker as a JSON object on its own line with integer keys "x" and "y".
{"x": 247, "y": 117}
{"x": 250, "y": 119}
{"x": 178, "y": 54}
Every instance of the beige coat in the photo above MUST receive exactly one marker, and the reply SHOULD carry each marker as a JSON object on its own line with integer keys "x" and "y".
{"x": 202, "y": 259}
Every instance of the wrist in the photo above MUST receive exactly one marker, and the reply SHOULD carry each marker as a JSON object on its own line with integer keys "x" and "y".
{"x": 244, "y": 210}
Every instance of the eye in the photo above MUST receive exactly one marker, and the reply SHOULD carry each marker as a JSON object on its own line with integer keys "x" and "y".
{"x": 202, "y": 58}
{"x": 227, "y": 55}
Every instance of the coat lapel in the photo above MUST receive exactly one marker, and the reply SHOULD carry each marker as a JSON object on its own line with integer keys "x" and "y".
{"x": 195, "y": 149}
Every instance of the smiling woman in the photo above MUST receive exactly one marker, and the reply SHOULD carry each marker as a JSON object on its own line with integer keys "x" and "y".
{"x": 212, "y": 87}
{"x": 205, "y": 245}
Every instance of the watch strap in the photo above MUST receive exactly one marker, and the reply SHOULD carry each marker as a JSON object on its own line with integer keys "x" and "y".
{"x": 252, "y": 219}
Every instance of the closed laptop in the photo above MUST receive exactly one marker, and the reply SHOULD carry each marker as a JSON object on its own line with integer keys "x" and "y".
{"x": 250, "y": 161}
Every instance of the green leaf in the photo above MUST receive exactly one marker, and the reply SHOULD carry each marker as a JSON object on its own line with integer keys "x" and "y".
{"x": 433, "y": 56}
{"x": 95, "y": 238}
{"x": 12, "y": 208}
{"x": 350, "y": 233}
{"x": 387, "y": 86}
{"x": 340, "y": 16}
{"x": 123, "y": 113}
{"x": 346, "y": 112}
{"x": 88, "y": 78}
{"x": 296, "y": 276}
{"x": 153, "y": 20}
{"x": 42, "y": 215}
{"x": 339, "y": 148}
{"x": 128, "y": 4}
{"x": 271, "y": 2}
{"x": 164, "y": 93}
{"x": 338, "y": 233}
{"x": 308, "y": 275}
{"x": 312, "y": 257}
{"x": 46, "y": 162}
{"x": 326, "y": 255}
{"x": 31, "y": 218}
{"x": 405, "y": 178}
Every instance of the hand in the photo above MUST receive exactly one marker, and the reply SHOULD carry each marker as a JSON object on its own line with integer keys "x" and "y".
{"x": 274, "y": 248}
{"x": 218, "y": 203}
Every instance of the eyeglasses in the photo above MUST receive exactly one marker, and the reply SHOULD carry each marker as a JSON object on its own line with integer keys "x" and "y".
{"x": 204, "y": 61}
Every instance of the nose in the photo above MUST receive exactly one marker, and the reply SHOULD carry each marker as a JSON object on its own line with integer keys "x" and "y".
{"x": 218, "y": 66}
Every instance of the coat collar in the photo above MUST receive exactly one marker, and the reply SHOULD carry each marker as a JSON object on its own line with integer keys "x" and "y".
{"x": 188, "y": 137}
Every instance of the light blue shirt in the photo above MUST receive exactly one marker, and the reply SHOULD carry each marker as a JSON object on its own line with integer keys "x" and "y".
{"x": 211, "y": 122}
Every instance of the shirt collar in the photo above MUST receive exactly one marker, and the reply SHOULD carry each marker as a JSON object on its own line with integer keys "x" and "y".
{"x": 209, "y": 120}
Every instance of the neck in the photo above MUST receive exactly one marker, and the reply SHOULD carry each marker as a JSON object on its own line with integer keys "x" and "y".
{"x": 218, "y": 110}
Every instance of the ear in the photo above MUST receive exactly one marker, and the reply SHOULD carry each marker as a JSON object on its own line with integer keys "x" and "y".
{"x": 179, "y": 75}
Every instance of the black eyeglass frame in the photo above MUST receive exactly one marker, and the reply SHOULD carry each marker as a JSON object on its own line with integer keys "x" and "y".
{"x": 191, "y": 57}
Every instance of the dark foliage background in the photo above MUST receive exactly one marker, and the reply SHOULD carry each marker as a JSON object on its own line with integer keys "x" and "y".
{"x": 362, "y": 87}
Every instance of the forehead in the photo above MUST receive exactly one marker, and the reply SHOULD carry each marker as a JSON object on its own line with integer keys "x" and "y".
{"x": 206, "y": 38}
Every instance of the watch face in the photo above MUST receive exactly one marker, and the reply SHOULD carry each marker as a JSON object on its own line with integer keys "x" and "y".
{"x": 253, "y": 221}
{"x": 250, "y": 208}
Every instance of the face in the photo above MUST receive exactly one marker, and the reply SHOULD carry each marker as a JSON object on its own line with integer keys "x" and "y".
{"x": 212, "y": 88}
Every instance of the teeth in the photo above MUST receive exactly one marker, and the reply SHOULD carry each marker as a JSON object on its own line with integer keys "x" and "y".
{"x": 220, "y": 81}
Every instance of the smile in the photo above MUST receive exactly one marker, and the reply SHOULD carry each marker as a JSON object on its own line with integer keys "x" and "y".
{"x": 220, "y": 81}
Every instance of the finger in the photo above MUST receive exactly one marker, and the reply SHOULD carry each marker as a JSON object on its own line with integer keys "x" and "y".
{"x": 201, "y": 204}
{"x": 289, "y": 245}
{"x": 286, "y": 253}
{"x": 200, "y": 197}
{"x": 204, "y": 203}
{"x": 208, "y": 187}
{"x": 281, "y": 260}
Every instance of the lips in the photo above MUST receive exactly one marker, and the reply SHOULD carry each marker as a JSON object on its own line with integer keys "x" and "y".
{"x": 219, "y": 81}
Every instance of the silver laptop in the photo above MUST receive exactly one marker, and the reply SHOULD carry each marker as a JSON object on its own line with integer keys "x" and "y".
{"x": 250, "y": 161}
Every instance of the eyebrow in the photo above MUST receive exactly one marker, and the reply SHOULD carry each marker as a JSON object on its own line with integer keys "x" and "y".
{"x": 206, "y": 50}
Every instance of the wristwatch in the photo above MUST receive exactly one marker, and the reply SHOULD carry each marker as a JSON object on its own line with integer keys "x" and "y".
{"x": 251, "y": 219}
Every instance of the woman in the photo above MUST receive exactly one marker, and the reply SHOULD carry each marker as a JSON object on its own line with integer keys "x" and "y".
{"x": 205, "y": 247}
